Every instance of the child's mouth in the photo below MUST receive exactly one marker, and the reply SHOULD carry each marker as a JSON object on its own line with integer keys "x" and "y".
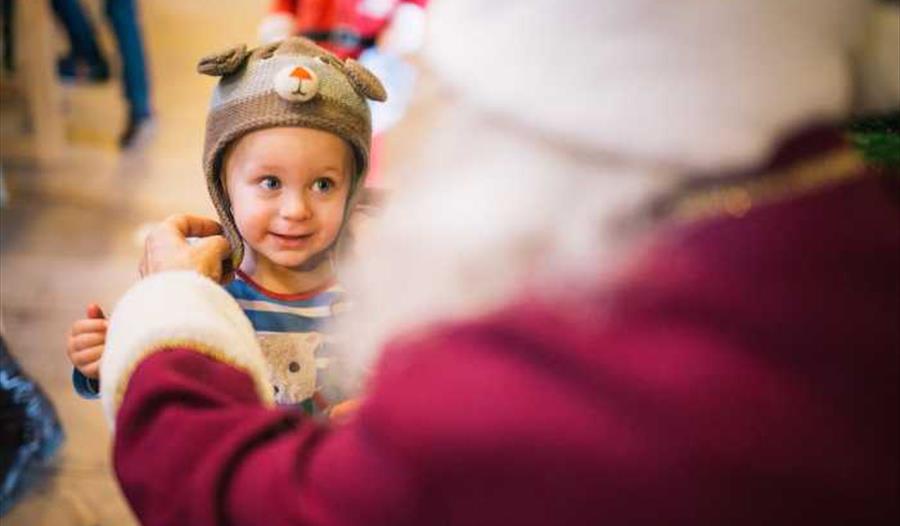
{"x": 291, "y": 241}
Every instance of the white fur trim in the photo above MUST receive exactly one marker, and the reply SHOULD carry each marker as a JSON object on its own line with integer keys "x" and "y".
{"x": 177, "y": 307}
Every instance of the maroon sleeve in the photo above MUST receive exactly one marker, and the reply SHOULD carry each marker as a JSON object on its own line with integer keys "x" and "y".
{"x": 467, "y": 425}
{"x": 194, "y": 446}
{"x": 535, "y": 416}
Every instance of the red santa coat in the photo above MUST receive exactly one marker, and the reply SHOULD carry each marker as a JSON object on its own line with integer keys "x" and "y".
{"x": 745, "y": 372}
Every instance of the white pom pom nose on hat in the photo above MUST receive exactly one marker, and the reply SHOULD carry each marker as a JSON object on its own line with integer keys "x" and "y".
{"x": 296, "y": 83}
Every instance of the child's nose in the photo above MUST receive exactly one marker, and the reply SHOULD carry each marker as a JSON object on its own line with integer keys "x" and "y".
{"x": 295, "y": 207}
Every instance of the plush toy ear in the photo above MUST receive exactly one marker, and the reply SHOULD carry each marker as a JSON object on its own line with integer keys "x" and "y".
{"x": 365, "y": 82}
{"x": 223, "y": 63}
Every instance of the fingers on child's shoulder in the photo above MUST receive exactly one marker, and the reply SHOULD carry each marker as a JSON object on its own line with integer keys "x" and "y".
{"x": 90, "y": 326}
{"x": 217, "y": 243}
{"x": 193, "y": 226}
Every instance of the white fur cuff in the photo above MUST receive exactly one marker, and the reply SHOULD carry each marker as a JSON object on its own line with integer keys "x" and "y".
{"x": 183, "y": 309}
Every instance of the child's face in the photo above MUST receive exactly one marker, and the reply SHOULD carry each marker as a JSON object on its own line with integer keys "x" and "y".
{"x": 288, "y": 188}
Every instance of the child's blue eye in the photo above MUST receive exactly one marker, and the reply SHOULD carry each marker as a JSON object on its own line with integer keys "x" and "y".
{"x": 323, "y": 185}
{"x": 270, "y": 183}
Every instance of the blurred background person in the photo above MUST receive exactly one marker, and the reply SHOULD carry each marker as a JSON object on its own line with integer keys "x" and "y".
{"x": 348, "y": 28}
{"x": 85, "y": 60}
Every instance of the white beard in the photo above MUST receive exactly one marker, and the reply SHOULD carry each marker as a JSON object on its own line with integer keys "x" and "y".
{"x": 502, "y": 213}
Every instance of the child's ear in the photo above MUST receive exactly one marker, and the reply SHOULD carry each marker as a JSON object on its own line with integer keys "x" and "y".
{"x": 364, "y": 81}
{"x": 224, "y": 62}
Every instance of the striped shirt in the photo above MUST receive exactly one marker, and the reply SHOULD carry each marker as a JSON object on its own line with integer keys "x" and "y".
{"x": 291, "y": 329}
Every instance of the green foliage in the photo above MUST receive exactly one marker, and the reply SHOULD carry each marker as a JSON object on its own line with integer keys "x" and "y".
{"x": 878, "y": 138}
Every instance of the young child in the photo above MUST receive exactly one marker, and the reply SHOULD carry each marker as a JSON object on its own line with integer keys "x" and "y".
{"x": 287, "y": 146}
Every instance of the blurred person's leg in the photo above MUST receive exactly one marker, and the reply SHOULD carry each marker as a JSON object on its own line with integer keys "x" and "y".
{"x": 84, "y": 52}
{"x": 123, "y": 16}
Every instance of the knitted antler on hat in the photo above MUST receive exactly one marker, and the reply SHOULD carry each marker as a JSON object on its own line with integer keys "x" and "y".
{"x": 289, "y": 83}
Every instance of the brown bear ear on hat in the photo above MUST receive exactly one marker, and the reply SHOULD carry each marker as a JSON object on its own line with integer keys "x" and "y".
{"x": 224, "y": 62}
{"x": 365, "y": 82}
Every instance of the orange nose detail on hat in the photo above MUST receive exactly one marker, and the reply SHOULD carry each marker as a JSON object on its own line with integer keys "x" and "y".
{"x": 296, "y": 83}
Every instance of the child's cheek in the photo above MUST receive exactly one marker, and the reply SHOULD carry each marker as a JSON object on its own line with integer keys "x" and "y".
{"x": 252, "y": 221}
{"x": 332, "y": 223}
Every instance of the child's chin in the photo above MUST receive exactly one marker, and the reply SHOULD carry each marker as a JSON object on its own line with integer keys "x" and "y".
{"x": 289, "y": 260}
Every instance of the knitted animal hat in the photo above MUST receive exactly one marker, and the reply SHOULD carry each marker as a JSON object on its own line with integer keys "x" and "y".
{"x": 289, "y": 83}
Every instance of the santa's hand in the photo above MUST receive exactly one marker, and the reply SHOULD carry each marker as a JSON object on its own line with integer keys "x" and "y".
{"x": 167, "y": 247}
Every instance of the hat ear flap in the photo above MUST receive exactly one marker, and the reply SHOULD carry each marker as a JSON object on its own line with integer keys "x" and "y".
{"x": 364, "y": 81}
{"x": 224, "y": 62}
